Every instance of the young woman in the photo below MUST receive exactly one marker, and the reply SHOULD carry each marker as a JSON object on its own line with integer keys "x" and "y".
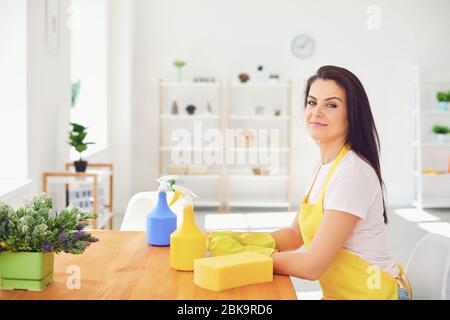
{"x": 342, "y": 220}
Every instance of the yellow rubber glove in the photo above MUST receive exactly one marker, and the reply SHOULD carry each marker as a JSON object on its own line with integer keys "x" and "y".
{"x": 224, "y": 244}
{"x": 258, "y": 239}
{"x": 215, "y": 234}
{"x": 247, "y": 239}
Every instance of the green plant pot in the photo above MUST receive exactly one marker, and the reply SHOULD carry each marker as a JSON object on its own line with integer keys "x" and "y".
{"x": 26, "y": 270}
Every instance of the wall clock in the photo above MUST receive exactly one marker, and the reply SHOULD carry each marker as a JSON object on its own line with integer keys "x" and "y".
{"x": 303, "y": 46}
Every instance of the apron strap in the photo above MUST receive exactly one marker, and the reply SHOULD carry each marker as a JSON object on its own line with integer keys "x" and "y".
{"x": 336, "y": 161}
{"x": 305, "y": 198}
{"x": 404, "y": 281}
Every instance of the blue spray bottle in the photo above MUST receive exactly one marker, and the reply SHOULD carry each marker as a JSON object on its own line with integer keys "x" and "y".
{"x": 161, "y": 221}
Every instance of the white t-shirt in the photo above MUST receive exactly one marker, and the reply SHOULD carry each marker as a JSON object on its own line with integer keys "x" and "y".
{"x": 354, "y": 188}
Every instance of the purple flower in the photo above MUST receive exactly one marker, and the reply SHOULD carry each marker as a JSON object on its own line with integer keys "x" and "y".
{"x": 61, "y": 237}
{"x": 79, "y": 234}
{"x": 80, "y": 226}
{"x": 92, "y": 239}
{"x": 47, "y": 247}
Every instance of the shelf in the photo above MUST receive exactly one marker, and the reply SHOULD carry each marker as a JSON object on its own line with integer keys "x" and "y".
{"x": 282, "y": 149}
{"x": 206, "y": 203}
{"x": 78, "y": 180}
{"x": 433, "y": 176}
{"x": 432, "y": 112}
{"x": 224, "y": 118}
{"x": 433, "y": 203}
{"x": 428, "y": 187}
{"x": 437, "y": 81}
{"x": 432, "y": 144}
{"x": 169, "y": 84}
{"x": 260, "y": 204}
{"x": 256, "y": 177}
{"x": 198, "y": 176}
{"x": 167, "y": 148}
{"x": 258, "y": 117}
{"x": 189, "y": 117}
{"x": 262, "y": 149}
{"x": 259, "y": 85}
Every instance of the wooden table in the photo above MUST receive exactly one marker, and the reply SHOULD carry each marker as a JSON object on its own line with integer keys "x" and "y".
{"x": 123, "y": 266}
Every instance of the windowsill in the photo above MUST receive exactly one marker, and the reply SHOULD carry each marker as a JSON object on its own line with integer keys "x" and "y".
{"x": 11, "y": 187}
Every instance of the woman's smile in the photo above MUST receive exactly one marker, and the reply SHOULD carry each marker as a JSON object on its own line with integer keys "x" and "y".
{"x": 316, "y": 124}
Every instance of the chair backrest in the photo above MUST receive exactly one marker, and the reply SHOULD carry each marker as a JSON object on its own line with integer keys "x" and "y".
{"x": 139, "y": 207}
{"x": 428, "y": 266}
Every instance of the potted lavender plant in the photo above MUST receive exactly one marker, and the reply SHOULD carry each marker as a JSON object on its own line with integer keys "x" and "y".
{"x": 31, "y": 235}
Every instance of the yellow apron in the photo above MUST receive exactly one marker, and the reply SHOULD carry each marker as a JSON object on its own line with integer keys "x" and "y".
{"x": 348, "y": 277}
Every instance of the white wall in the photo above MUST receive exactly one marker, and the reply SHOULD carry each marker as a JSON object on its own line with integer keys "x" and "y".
{"x": 119, "y": 124}
{"x": 13, "y": 88}
{"x": 48, "y": 95}
{"x": 89, "y": 63}
{"x": 223, "y": 38}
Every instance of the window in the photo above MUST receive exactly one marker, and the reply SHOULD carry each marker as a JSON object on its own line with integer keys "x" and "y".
{"x": 13, "y": 89}
{"x": 89, "y": 61}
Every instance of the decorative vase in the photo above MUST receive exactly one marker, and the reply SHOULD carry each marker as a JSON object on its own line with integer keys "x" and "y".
{"x": 26, "y": 270}
{"x": 441, "y": 137}
{"x": 244, "y": 77}
{"x": 174, "y": 108}
{"x": 80, "y": 166}
{"x": 179, "y": 75}
{"x": 191, "y": 109}
{"x": 443, "y": 105}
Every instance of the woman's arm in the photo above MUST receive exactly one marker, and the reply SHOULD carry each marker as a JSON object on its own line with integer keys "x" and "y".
{"x": 288, "y": 238}
{"x": 330, "y": 238}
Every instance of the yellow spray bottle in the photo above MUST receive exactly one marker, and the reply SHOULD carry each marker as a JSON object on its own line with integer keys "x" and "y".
{"x": 188, "y": 242}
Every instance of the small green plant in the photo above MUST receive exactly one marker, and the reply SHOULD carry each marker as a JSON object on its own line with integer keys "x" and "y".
{"x": 35, "y": 228}
{"x": 77, "y": 136}
{"x": 443, "y": 96}
{"x": 438, "y": 129}
{"x": 75, "y": 92}
{"x": 179, "y": 63}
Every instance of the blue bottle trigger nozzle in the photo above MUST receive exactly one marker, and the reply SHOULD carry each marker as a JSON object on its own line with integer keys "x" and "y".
{"x": 166, "y": 183}
{"x": 162, "y": 221}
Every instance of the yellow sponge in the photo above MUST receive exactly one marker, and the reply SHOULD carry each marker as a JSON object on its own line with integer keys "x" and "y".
{"x": 232, "y": 271}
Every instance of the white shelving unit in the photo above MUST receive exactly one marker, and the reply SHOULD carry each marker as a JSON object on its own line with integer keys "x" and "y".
{"x": 245, "y": 189}
{"x": 210, "y": 185}
{"x": 430, "y": 190}
{"x": 219, "y": 187}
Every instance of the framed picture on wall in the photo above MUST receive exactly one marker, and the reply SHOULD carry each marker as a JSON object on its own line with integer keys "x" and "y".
{"x": 52, "y": 25}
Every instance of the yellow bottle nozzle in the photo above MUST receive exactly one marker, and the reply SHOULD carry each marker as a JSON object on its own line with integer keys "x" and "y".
{"x": 175, "y": 198}
{"x": 183, "y": 192}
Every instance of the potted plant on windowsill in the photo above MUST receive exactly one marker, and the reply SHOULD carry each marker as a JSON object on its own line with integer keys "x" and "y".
{"x": 31, "y": 235}
{"x": 443, "y": 98}
{"x": 76, "y": 140}
{"x": 441, "y": 132}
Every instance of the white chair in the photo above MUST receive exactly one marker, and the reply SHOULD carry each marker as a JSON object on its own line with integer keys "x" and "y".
{"x": 139, "y": 207}
{"x": 428, "y": 266}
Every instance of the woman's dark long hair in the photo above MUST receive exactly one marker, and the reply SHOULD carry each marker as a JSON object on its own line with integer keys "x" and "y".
{"x": 362, "y": 135}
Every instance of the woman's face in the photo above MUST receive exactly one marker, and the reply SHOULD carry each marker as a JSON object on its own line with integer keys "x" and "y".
{"x": 326, "y": 111}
